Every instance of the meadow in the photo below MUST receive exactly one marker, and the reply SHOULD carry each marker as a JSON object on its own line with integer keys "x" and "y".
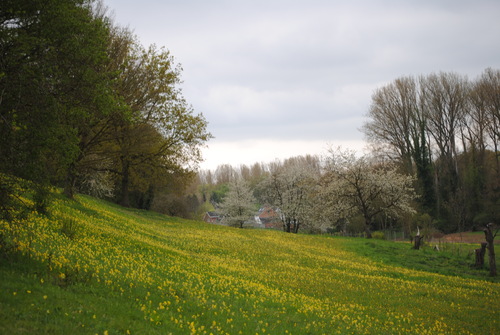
{"x": 91, "y": 267}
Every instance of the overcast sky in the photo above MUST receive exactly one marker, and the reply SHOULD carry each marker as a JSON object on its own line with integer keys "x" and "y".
{"x": 276, "y": 79}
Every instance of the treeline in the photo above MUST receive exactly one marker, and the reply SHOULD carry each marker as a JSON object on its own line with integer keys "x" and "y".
{"x": 441, "y": 129}
{"x": 84, "y": 106}
{"x": 444, "y": 129}
{"x": 337, "y": 192}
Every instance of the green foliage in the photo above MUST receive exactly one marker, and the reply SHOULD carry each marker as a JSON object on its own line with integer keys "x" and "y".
{"x": 54, "y": 87}
{"x": 356, "y": 225}
{"x": 218, "y": 194}
{"x": 41, "y": 198}
{"x": 82, "y": 99}
{"x": 425, "y": 224}
{"x": 379, "y": 235}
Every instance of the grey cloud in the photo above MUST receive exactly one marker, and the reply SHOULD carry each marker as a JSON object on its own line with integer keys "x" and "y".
{"x": 307, "y": 69}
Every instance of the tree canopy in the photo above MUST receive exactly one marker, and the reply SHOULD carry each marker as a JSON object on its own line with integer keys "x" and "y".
{"x": 85, "y": 106}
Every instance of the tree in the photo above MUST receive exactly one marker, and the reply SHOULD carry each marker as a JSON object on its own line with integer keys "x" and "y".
{"x": 485, "y": 112}
{"x": 458, "y": 120}
{"x": 444, "y": 103}
{"x": 239, "y": 203}
{"x": 94, "y": 161}
{"x": 289, "y": 186}
{"x": 352, "y": 186}
{"x": 148, "y": 134}
{"x": 52, "y": 84}
{"x": 397, "y": 122}
{"x": 394, "y": 119}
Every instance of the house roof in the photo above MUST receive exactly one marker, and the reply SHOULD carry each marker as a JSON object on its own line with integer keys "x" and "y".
{"x": 267, "y": 212}
{"x": 213, "y": 214}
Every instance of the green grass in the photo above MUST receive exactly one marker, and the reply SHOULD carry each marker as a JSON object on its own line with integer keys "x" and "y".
{"x": 93, "y": 267}
{"x": 29, "y": 305}
{"x": 451, "y": 259}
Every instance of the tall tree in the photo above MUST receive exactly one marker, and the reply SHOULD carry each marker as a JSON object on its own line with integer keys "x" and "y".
{"x": 163, "y": 136}
{"x": 51, "y": 83}
{"x": 397, "y": 122}
{"x": 394, "y": 119}
{"x": 444, "y": 98}
{"x": 455, "y": 118}
{"x": 486, "y": 107}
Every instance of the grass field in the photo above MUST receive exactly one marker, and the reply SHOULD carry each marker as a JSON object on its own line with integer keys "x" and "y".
{"x": 95, "y": 268}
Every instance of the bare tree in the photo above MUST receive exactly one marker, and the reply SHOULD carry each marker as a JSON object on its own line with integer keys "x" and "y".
{"x": 398, "y": 124}
{"x": 224, "y": 173}
{"x": 394, "y": 116}
{"x": 486, "y": 102}
{"x": 444, "y": 102}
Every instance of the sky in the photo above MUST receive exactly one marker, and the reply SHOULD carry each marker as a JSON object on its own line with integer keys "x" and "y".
{"x": 283, "y": 78}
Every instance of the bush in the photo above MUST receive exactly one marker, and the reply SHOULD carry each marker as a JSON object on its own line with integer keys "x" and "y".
{"x": 379, "y": 235}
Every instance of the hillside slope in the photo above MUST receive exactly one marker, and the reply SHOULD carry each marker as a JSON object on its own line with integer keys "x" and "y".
{"x": 94, "y": 267}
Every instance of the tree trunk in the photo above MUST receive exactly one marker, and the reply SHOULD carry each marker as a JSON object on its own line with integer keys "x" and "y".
{"x": 417, "y": 242}
{"x": 480, "y": 255}
{"x": 491, "y": 248}
{"x": 368, "y": 231}
{"x": 296, "y": 226}
{"x": 69, "y": 184}
{"x": 286, "y": 226}
{"x": 125, "y": 199}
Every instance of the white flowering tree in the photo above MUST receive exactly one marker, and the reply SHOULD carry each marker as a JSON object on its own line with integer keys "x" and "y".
{"x": 238, "y": 204}
{"x": 289, "y": 187}
{"x": 354, "y": 186}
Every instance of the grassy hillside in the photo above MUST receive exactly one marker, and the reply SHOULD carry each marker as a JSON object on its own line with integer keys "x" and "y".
{"x": 96, "y": 268}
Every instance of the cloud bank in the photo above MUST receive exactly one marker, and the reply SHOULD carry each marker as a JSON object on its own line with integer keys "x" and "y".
{"x": 276, "y": 79}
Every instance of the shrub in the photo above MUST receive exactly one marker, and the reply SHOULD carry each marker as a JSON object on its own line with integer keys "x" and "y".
{"x": 378, "y": 235}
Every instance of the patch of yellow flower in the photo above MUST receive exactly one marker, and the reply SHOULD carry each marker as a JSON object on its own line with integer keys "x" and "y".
{"x": 207, "y": 279}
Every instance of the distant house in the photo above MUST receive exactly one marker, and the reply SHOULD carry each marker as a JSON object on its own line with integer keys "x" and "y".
{"x": 212, "y": 217}
{"x": 270, "y": 217}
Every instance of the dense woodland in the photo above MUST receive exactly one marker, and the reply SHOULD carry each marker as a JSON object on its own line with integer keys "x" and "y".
{"x": 87, "y": 108}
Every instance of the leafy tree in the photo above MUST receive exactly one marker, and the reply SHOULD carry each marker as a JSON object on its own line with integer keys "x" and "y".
{"x": 163, "y": 136}
{"x": 239, "y": 203}
{"x": 52, "y": 85}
